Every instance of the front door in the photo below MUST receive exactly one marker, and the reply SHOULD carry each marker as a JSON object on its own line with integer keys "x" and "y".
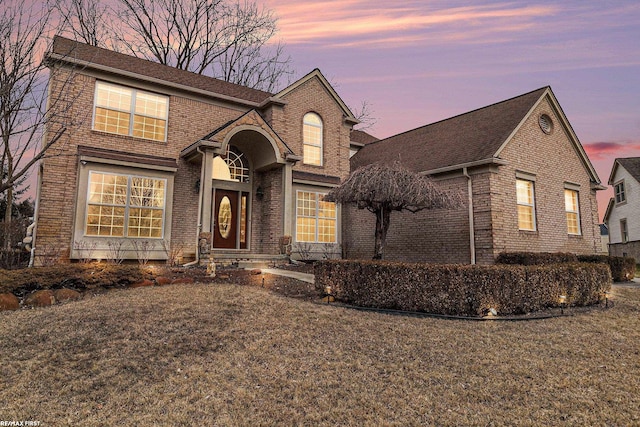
{"x": 225, "y": 219}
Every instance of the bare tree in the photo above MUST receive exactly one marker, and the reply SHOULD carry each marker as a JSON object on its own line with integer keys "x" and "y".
{"x": 85, "y": 21}
{"x": 382, "y": 189}
{"x": 225, "y": 39}
{"x": 365, "y": 115}
{"x": 24, "y": 107}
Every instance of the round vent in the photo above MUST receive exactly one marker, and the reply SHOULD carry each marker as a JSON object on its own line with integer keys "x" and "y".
{"x": 545, "y": 123}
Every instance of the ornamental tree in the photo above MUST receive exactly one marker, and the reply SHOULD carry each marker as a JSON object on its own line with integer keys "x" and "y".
{"x": 382, "y": 189}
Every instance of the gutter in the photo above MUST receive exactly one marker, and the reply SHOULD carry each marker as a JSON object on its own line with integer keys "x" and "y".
{"x": 472, "y": 233}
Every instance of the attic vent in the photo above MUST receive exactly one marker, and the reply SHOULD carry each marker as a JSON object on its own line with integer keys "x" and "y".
{"x": 545, "y": 123}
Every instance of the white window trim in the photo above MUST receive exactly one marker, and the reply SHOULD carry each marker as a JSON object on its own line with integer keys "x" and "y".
{"x": 317, "y": 218}
{"x": 131, "y": 112}
{"x": 624, "y": 230}
{"x": 127, "y": 207}
{"x": 620, "y": 184}
{"x": 532, "y": 205}
{"x": 320, "y": 145}
{"x": 577, "y": 212}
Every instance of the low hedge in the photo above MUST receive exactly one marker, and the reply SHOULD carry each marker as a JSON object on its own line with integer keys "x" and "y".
{"x": 535, "y": 258}
{"x": 75, "y": 276}
{"x": 462, "y": 290}
{"x": 622, "y": 268}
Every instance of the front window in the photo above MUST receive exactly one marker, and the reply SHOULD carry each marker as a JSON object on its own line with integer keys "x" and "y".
{"x": 526, "y": 205}
{"x": 571, "y": 207}
{"x": 620, "y": 193}
{"x": 624, "y": 231}
{"x": 125, "y": 206}
{"x": 315, "y": 218}
{"x": 125, "y": 111}
{"x": 312, "y": 135}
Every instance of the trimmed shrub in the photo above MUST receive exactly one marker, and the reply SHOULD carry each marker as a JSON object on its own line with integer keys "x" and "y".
{"x": 462, "y": 290}
{"x": 535, "y": 258}
{"x": 75, "y": 276}
{"x": 622, "y": 268}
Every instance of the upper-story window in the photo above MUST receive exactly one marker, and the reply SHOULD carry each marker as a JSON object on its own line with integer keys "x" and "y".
{"x": 132, "y": 112}
{"x": 620, "y": 193}
{"x": 526, "y": 205}
{"x": 312, "y": 135}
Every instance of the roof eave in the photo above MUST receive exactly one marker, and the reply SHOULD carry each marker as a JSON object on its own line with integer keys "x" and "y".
{"x": 490, "y": 161}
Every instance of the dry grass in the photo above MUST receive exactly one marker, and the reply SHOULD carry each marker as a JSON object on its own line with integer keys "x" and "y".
{"x": 231, "y": 355}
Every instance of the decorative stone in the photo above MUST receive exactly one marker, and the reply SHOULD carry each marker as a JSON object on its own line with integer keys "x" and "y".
{"x": 182, "y": 281}
{"x": 141, "y": 283}
{"x": 161, "y": 280}
{"x": 65, "y": 294}
{"x": 9, "y": 302}
{"x": 43, "y": 298}
{"x": 255, "y": 271}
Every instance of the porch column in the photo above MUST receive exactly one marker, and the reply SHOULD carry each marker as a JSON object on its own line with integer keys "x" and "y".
{"x": 207, "y": 176}
{"x": 287, "y": 199}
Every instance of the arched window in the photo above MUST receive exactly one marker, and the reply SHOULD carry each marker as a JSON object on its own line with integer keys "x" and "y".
{"x": 232, "y": 167}
{"x": 312, "y": 139}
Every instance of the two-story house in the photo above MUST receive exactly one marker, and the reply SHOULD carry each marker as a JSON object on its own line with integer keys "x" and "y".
{"x": 623, "y": 211}
{"x": 156, "y": 159}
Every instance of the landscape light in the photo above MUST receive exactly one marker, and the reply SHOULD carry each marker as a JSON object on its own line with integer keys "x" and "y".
{"x": 327, "y": 292}
{"x": 563, "y": 300}
{"x": 606, "y": 299}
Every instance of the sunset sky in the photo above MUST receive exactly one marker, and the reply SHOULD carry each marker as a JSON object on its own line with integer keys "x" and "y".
{"x": 417, "y": 62}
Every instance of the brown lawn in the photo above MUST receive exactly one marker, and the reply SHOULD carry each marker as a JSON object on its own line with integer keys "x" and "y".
{"x": 243, "y": 356}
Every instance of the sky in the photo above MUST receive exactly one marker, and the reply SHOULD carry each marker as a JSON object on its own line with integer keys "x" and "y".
{"x": 417, "y": 62}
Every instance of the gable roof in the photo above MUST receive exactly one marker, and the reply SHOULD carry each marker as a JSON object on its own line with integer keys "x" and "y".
{"x": 317, "y": 74}
{"x": 631, "y": 164}
{"x": 74, "y": 52}
{"x": 361, "y": 138}
{"x": 472, "y": 138}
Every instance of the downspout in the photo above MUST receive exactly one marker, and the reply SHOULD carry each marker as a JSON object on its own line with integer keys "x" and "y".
{"x": 36, "y": 207}
{"x": 200, "y": 195}
{"x": 472, "y": 233}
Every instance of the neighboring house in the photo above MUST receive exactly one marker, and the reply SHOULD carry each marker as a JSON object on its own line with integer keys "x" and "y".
{"x": 164, "y": 160}
{"x": 604, "y": 239}
{"x": 526, "y": 182}
{"x": 623, "y": 212}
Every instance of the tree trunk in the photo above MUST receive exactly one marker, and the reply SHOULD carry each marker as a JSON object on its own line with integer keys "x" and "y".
{"x": 7, "y": 219}
{"x": 383, "y": 216}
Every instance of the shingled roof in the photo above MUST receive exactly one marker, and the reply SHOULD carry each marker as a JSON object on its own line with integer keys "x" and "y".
{"x": 362, "y": 137}
{"x": 632, "y": 165}
{"x": 467, "y": 138}
{"x": 71, "y": 51}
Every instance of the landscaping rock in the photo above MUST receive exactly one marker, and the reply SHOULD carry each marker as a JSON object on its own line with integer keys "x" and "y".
{"x": 9, "y": 302}
{"x": 142, "y": 283}
{"x": 65, "y": 294}
{"x": 43, "y": 298}
{"x": 256, "y": 271}
{"x": 182, "y": 281}
{"x": 161, "y": 280}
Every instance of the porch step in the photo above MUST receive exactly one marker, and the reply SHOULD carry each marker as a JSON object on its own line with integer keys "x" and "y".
{"x": 246, "y": 260}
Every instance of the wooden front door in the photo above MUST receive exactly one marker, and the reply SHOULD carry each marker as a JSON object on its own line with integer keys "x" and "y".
{"x": 225, "y": 219}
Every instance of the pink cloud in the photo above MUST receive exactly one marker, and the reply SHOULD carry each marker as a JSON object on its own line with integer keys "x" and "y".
{"x": 611, "y": 150}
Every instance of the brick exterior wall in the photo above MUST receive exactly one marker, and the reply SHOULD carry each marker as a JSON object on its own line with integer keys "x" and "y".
{"x": 553, "y": 160}
{"x": 190, "y": 118}
{"x": 426, "y": 236}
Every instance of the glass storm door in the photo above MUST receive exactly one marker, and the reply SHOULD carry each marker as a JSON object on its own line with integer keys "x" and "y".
{"x": 229, "y": 217}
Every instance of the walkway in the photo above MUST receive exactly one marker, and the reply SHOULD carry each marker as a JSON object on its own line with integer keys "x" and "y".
{"x": 304, "y": 277}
